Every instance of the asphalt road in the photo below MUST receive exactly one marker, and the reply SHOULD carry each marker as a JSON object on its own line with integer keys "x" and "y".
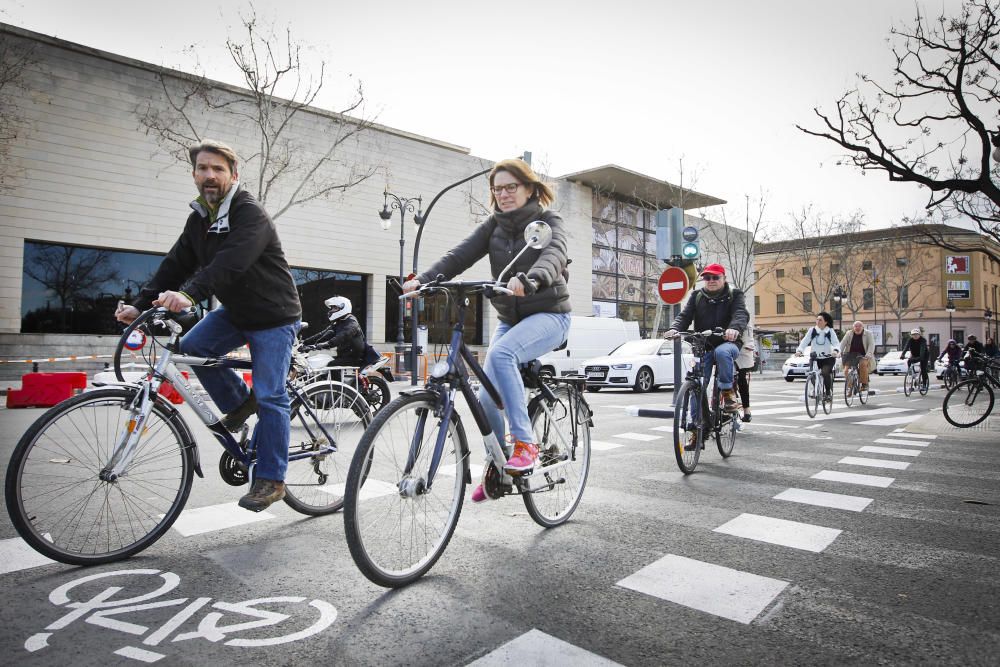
{"x": 802, "y": 548}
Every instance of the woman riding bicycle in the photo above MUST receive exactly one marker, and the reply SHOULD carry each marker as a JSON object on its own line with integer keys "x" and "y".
{"x": 536, "y": 318}
{"x": 954, "y": 353}
{"x": 823, "y": 340}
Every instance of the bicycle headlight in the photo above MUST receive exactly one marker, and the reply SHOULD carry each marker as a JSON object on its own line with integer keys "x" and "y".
{"x": 440, "y": 369}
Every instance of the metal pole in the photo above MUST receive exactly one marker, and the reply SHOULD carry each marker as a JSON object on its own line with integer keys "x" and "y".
{"x": 400, "y": 339}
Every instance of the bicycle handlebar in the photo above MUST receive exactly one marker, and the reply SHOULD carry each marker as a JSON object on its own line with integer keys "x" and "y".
{"x": 487, "y": 287}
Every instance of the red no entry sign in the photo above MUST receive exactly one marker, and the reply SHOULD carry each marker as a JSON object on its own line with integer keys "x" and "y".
{"x": 673, "y": 285}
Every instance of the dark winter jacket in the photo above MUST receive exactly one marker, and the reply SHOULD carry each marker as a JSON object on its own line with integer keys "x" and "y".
{"x": 917, "y": 348}
{"x": 727, "y": 310}
{"x": 501, "y": 236}
{"x": 237, "y": 258}
{"x": 345, "y": 334}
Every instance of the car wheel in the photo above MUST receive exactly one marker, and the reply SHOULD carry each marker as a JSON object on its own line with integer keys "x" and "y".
{"x": 643, "y": 381}
{"x": 593, "y": 390}
{"x": 789, "y": 378}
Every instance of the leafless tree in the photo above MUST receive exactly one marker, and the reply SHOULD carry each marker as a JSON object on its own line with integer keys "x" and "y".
{"x": 932, "y": 123}
{"x": 70, "y": 272}
{"x": 736, "y": 243}
{"x": 289, "y": 161}
{"x": 16, "y": 57}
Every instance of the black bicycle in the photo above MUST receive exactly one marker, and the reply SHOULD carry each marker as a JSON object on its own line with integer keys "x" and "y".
{"x": 406, "y": 485}
{"x": 695, "y": 413}
{"x": 103, "y": 475}
{"x": 971, "y": 401}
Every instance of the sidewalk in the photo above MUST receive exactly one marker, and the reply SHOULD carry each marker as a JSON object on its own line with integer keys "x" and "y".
{"x": 934, "y": 423}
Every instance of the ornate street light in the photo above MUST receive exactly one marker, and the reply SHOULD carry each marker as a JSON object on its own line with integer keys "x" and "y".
{"x": 950, "y": 307}
{"x": 838, "y": 296}
{"x": 403, "y": 205}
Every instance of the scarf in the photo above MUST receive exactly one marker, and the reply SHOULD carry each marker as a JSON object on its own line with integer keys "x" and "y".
{"x": 514, "y": 222}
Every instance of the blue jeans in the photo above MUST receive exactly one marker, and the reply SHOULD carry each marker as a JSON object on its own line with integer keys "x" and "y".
{"x": 513, "y": 345}
{"x": 724, "y": 357}
{"x": 271, "y": 353}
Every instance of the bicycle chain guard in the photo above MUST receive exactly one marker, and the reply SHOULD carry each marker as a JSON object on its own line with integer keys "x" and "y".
{"x": 232, "y": 471}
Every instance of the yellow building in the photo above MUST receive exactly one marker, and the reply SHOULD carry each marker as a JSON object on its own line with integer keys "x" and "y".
{"x": 892, "y": 279}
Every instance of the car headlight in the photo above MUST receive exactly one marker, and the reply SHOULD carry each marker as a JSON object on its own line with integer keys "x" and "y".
{"x": 621, "y": 367}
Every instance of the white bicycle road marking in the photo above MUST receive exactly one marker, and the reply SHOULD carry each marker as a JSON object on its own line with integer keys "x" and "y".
{"x": 103, "y": 610}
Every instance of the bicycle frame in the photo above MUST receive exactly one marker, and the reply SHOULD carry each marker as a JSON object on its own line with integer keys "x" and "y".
{"x": 166, "y": 370}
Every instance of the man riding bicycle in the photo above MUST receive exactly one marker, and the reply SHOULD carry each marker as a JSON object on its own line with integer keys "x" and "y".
{"x": 230, "y": 249}
{"x": 858, "y": 349}
{"x": 919, "y": 352}
{"x": 717, "y": 305}
{"x": 344, "y": 333}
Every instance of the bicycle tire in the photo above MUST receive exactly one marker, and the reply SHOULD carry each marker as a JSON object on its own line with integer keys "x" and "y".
{"x": 908, "y": 382}
{"x": 387, "y": 550}
{"x": 969, "y": 403}
{"x": 924, "y": 386}
{"x": 812, "y": 395}
{"x": 726, "y": 439}
{"x": 121, "y": 518}
{"x": 863, "y": 393}
{"x": 379, "y": 395}
{"x": 315, "y": 485}
{"x": 684, "y": 423}
{"x": 554, "y": 502}
{"x": 851, "y": 387}
{"x": 827, "y": 400}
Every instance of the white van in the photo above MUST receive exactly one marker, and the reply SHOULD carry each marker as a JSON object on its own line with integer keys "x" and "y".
{"x": 589, "y": 337}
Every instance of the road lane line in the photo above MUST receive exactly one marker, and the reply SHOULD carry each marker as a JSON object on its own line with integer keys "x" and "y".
{"x": 804, "y": 536}
{"x": 854, "y": 478}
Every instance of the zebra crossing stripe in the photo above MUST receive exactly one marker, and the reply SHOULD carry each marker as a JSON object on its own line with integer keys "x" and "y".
{"x": 838, "y": 501}
{"x": 891, "y": 421}
{"x": 537, "y": 648}
{"x": 901, "y": 432}
{"x": 854, "y": 478}
{"x": 641, "y": 437}
{"x": 16, "y": 554}
{"x": 911, "y": 443}
{"x": 784, "y": 533}
{"x": 874, "y": 463}
{"x": 600, "y": 445}
{"x": 850, "y": 414}
{"x": 216, "y": 517}
{"x": 713, "y": 589}
{"x": 892, "y": 451}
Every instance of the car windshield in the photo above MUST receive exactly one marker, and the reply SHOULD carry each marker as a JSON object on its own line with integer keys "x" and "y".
{"x": 637, "y": 347}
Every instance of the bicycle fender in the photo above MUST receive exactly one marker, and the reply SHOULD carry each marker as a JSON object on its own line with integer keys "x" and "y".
{"x": 456, "y": 419}
{"x": 189, "y": 441}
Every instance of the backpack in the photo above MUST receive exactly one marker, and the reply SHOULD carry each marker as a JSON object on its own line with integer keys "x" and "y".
{"x": 829, "y": 335}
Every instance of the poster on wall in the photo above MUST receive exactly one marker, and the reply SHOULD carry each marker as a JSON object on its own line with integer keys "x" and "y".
{"x": 959, "y": 289}
{"x": 956, "y": 264}
{"x": 876, "y": 332}
{"x": 604, "y": 309}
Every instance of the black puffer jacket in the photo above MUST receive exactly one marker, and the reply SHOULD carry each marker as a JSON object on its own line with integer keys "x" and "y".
{"x": 727, "y": 310}
{"x": 345, "y": 334}
{"x": 502, "y": 237}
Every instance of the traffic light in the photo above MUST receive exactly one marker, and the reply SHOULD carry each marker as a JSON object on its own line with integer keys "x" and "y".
{"x": 669, "y": 236}
{"x": 690, "y": 247}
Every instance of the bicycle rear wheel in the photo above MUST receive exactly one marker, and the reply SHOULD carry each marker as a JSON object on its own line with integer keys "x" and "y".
{"x": 57, "y": 500}
{"x": 812, "y": 392}
{"x": 396, "y": 526}
{"x": 555, "y": 495}
{"x": 325, "y": 414}
{"x": 969, "y": 403}
{"x": 687, "y": 450}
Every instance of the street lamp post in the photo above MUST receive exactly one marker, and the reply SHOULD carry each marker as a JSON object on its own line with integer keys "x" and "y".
{"x": 988, "y": 314}
{"x": 403, "y": 205}
{"x": 838, "y": 296}
{"x": 950, "y": 307}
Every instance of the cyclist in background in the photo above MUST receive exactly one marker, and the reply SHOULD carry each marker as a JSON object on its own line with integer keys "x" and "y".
{"x": 343, "y": 333}
{"x": 954, "y": 353}
{"x": 858, "y": 349}
{"x": 919, "y": 352}
{"x": 823, "y": 340}
{"x": 744, "y": 366}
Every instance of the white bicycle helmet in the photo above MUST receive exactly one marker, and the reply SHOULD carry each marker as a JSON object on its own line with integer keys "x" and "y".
{"x": 914, "y": 332}
{"x": 337, "y": 307}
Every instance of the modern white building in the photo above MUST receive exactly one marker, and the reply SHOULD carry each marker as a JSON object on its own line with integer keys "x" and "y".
{"x": 90, "y": 201}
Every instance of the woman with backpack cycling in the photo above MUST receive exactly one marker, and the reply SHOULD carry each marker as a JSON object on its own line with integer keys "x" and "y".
{"x": 823, "y": 340}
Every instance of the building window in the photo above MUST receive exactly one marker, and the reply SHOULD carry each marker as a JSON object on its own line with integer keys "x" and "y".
{"x": 834, "y": 269}
{"x": 73, "y": 289}
{"x": 756, "y": 276}
{"x": 902, "y": 261}
{"x": 806, "y": 271}
{"x": 779, "y": 273}
{"x": 756, "y": 304}
{"x": 903, "y": 295}
{"x": 866, "y": 265}
{"x": 807, "y": 302}
{"x": 780, "y": 304}
{"x": 436, "y": 313}
{"x": 317, "y": 285}
{"x": 867, "y": 298}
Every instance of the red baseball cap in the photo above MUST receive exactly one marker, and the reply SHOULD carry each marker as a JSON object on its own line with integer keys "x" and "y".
{"x": 714, "y": 268}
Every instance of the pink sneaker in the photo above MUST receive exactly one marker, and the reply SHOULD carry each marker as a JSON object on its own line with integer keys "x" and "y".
{"x": 479, "y": 494}
{"x": 524, "y": 457}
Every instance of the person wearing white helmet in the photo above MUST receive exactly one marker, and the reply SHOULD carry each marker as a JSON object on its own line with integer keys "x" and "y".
{"x": 919, "y": 352}
{"x": 344, "y": 333}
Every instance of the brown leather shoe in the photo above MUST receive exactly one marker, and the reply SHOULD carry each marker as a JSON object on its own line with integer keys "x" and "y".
{"x": 729, "y": 403}
{"x": 262, "y": 494}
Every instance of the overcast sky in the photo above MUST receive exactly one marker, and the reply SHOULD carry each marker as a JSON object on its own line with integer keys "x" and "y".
{"x": 648, "y": 85}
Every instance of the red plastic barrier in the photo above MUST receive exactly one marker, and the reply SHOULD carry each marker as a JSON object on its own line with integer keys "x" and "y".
{"x": 168, "y": 392}
{"x": 248, "y": 378}
{"x": 43, "y": 390}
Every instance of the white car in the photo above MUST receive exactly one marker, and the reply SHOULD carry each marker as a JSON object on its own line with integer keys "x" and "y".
{"x": 641, "y": 365}
{"x": 798, "y": 367}
{"x": 893, "y": 362}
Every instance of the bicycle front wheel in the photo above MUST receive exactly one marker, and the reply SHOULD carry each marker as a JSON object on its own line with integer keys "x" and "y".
{"x": 924, "y": 385}
{"x": 850, "y": 388}
{"x": 909, "y": 382}
{"x": 863, "y": 393}
{"x": 969, "y": 403}
{"x": 397, "y": 521}
{"x": 562, "y": 433}
{"x": 688, "y": 432}
{"x": 324, "y": 415}
{"x": 725, "y": 439}
{"x": 812, "y": 393}
{"x": 59, "y": 504}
